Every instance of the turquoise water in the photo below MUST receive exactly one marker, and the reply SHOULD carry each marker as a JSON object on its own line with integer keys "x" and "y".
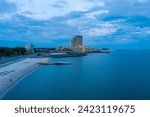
{"x": 123, "y": 75}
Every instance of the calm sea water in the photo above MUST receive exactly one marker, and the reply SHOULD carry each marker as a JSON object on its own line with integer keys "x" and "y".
{"x": 123, "y": 74}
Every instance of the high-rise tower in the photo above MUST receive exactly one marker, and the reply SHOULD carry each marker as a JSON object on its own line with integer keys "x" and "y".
{"x": 77, "y": 42}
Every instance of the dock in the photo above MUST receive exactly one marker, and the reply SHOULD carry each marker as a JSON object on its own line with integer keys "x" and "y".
{"x": 55, "y": 63}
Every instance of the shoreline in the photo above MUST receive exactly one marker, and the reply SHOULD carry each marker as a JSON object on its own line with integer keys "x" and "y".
{"x": 12, "y": 74}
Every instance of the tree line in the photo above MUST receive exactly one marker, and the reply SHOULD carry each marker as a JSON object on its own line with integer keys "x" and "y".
{"x": 5, "y": 51}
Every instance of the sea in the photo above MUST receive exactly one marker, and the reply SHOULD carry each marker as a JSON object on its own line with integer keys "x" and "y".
{"x": 120, "y": 75}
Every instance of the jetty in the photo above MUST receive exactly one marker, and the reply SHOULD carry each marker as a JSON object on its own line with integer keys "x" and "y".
{"x": 55, "y": 63}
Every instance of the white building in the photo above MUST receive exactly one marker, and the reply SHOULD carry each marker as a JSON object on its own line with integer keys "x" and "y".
{"x": 29, "y": 48}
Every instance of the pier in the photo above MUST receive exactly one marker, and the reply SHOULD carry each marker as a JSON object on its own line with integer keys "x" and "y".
{"x": 55, "y": 63}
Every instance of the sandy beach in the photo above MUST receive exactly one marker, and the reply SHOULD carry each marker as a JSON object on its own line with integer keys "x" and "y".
{"x": 10, "y": 75}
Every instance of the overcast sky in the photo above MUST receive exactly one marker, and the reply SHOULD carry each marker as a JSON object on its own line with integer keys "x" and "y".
{"x": 50, "y": 23}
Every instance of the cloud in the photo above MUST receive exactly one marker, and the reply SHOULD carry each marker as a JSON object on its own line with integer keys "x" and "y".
{"x": 6, "y": 7}
{"x": 100, "y": 29}
{"x": 56, "y": 21}
{"x": 94, "y": 32}
{"x": 142, "y": 31}
{"x": 5, "y": 16}
{"x": 7, "y": 10}
{"x": 94, "y": 14}
{"x": 90, "y": 27}
{"x": 128, "y": 7}
{"x": 46, "y": 9}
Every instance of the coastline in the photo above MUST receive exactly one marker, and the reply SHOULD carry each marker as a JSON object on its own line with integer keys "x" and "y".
{"x": 12, "y": 74}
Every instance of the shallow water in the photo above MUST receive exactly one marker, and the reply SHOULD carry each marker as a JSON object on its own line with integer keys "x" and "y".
{"x": 121, "y": 75}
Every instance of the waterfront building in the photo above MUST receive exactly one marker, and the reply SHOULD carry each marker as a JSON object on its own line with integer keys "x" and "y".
{"x": 77, "y": 42}
{"x": 29, "y": 48}
{"x": 82, "y": 48}
{"x": 63, "y": 48}
{"x": 77, "y": 45}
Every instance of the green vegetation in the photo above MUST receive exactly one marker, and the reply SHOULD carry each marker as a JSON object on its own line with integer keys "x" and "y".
{"x": 4, "y": 51}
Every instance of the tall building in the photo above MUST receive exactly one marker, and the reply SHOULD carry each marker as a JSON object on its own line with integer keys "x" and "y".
{"x": 29, "y": 48}
{"x": 76, "y": 43}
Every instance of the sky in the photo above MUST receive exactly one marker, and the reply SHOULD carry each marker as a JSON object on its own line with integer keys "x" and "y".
{"x": 114, "y": 24}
